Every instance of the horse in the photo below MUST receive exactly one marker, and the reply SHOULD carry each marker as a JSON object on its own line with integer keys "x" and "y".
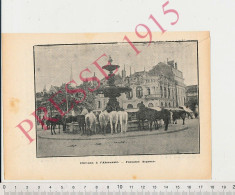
{"x": 146, "y": 114}
{"x": 113, "y": 117}
{"x": 55, "y": 120}
{"x": 104, "y": 120}
{"x": 90, "y": 120}
{"x": 141, "y": 117}
{"x": 44, "y": 121}
{"x": 153, "y": 116}
{"x": 123, "y": 120}
{"x": 177, "y": 115}
{"x": 80, "y": 119}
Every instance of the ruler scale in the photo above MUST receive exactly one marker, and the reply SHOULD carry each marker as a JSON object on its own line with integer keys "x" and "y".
{"x": 113, "y": 188}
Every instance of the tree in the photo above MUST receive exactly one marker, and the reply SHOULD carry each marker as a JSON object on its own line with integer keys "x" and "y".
{"x": 192, "y": 102}
{"x": 59, "y": 94}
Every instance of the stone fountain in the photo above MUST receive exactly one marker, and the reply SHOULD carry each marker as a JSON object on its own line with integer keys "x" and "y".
{"x": 111, "y": 90}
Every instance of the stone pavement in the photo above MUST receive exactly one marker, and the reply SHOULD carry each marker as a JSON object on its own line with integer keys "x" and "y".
{"x": 70, "y": 136}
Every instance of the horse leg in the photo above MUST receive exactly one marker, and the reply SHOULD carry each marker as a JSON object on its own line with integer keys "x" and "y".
{"x": 157, "y": 125}
{"x": 88, "y": 130}
{"x": 143, "y": 124}
{"x": 51, "y": 130}
{"x": 104, "y": 128}
{"x": 150, "y": 125}
{"x": 121, "y": 127}
{"x": 54, "y": 126}
{"x": 82, "y": 129}
{"x": 116, "y": 127}
{"x": 166, "y": 126}
{"x": 111, "y": 126}
{"x": 95, "y": 128}
{"x": 91, "y": 129}
{"x": 183, "y": 121}
{"x": 139, "y": 125}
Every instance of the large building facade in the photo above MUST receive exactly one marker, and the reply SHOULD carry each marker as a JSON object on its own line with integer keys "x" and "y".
{"x": 162, "y": 86}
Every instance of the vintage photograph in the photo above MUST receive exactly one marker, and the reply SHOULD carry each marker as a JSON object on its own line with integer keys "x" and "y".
{"x": 117, "y": 99}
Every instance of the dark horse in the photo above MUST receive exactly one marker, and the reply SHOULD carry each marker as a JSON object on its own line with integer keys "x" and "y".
{"x": 55, "y": 120}
{"x": 152, "y": 116}
{"x": 179, "y": 114}
{"x": 81, "y": 122}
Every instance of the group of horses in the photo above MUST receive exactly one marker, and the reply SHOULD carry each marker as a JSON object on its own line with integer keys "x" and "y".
{"x": 154, "y": 117}
{"x": 117, "y": 120}
{"x": 90, "y": 123}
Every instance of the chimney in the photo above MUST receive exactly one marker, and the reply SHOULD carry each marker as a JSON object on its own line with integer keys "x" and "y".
{"x": 176, "y": 66}
{"x": 124, "y": 73}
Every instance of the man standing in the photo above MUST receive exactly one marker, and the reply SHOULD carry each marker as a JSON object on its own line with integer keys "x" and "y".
{"x": 141, "y": 106}
{"x": 166, "y": 118}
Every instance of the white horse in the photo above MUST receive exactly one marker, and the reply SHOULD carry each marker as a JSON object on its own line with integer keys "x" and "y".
{"x": 103, "y": 119}
{"x": 123, "y": 120}
{"x": 113, "y": 117}
{"x": 90, "y": 119}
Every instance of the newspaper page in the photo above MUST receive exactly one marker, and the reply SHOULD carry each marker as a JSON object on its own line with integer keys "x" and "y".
{"x": 106, "y": 106}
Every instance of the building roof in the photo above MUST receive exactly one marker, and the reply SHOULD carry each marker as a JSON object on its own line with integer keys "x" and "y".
{"x": 162, "y": 69}
{"x": 140, "y": 73}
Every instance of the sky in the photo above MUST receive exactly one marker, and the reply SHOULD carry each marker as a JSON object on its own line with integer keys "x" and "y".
{"x": 53, "y": 64}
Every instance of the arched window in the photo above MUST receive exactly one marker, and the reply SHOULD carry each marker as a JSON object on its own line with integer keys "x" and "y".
{"x": 165, "y": 92}
{"x": 150, "y": 105}
{"x": 169, "y": 104}
{"x": 129, "y": 94}
{"x": 161, "y": 91}
{"x": 129, "y": 106}
{"x": 99, "y": 104}
{"x": 165, "y": 104}
{"x": 139, "y": 92}
{"x": 148, "y": 91}
{"x": 161, "y": 104}
{"x": 169, "y": 93}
